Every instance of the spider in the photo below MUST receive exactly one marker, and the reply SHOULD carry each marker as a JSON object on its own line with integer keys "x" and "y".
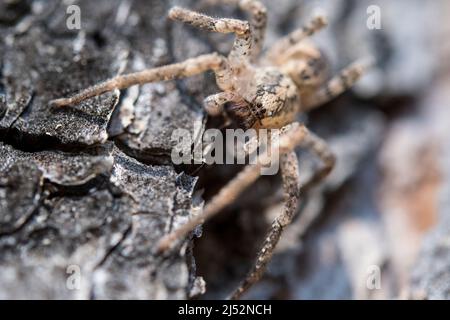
{"x": 257, "y": 91}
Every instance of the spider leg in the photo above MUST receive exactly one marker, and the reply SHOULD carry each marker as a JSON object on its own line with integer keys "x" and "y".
{"x": 322, "y": 150}
{"x": 243, "y": 43}
{"x": 293, "y": 135}
{"x": 292, "y": 191}
{"x": 183, "y": 69}
{"x": 337, "y": 85}
{"x": 258, "y": 20}
{"x": 296, "y": 36}
{"x": 290, "y": 175}
{"x": 214, "y": 103}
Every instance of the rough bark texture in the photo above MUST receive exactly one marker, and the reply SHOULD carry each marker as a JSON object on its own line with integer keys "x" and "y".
{"x": 92, "y": 187}
{"x": 68, "y": 195}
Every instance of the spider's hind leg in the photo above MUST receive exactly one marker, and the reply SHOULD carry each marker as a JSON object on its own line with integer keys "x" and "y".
{"x": 337, "y": 85}
{"x": 322, "y": 150}
{"x": 293, "y": 136}
{"x": 291, "y": 188}
{"x": 282, "y": 46}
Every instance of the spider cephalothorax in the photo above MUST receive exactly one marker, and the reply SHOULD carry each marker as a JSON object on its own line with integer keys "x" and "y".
{"x": 257, "y": 92}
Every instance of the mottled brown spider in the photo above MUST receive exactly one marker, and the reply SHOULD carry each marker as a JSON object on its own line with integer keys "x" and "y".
{"x": 257, "y": 92}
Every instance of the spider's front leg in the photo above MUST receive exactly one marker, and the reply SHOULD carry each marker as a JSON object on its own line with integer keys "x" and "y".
{"x": 183, "y": 69}
{"x": 242, "y": 47}
{"x": 214, "y": 104}
{"x": 258, "y": 20}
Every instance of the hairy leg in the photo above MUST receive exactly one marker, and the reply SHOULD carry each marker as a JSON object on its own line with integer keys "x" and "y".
{"x": 183, "y": 69}
{"x": 293, "y": 135}
{"x": 290, "y": 175}
{"x": 292, "y": 191}
{"x": 243, "y": 43}
{"x": 321, "y": 149}
{"x": 295, "y": 37}
{"x": 258, "y": 20}
{"x": 214, "y": 103}
{"x": 337, "y": 85}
